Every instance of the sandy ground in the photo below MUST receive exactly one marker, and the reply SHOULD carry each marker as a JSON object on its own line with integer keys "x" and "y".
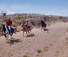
{"x": 52, "y": 43}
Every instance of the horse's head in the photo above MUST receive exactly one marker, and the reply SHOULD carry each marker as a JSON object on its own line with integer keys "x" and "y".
{"x": 3, "y": 28}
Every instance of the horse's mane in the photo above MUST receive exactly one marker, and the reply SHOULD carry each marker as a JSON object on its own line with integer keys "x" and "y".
{"x": 3, "y": 27}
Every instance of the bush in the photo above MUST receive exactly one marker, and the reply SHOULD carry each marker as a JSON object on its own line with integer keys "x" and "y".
{"x": 38, "y": 51}
{"x": 4, "y": 23}
{"x": 25, "y": 56}
{"x": 33, "y": 21}
{"x": 18, "y": 17}
{"x": 22, "y": 20}
{"x": 47, "y": 23}
{"x": 13, "y": 24}
{"x": 54, "y": 21}
{"x": 59, "y": 20}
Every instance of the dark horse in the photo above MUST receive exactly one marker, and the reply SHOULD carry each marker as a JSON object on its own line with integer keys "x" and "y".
{"x": 5, "y": 31}
{"x": 43, "y": 24}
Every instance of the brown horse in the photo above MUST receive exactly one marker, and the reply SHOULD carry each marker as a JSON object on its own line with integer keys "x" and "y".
{"x": 25, "y": 29}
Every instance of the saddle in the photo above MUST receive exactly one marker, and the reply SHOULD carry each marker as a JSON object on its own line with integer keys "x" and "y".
{"x": 27, "y": 26}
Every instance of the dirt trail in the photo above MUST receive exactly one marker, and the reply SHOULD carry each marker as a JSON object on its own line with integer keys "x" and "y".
{"x": 51, "y": 42}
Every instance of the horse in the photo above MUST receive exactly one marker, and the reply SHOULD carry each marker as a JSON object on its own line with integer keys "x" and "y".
{"x": 43, "y": 25}
{"x": 25, "y": 29}
{"x": 5, "y": 32}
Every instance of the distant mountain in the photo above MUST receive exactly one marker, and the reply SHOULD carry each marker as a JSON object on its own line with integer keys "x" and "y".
{"x": 17, "y": 14}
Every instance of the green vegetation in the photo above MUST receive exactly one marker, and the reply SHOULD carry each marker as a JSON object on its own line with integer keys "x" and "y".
{"x": 38, "y": 51}
{"x": 25, "y": 56}
{"x": 59, "y": 20}
{"x": 18, "y": 17}
{"x": 34, "y": 19}
{"x": 54, "y": 21}
{"x": 66, "y": 38}
{"x": 67, "y": 30}
{"x": 47, "y": 31}
{"x": 48, "y": 23}
{"x": 46, "y": 18}
{"x": 13, "y": 24}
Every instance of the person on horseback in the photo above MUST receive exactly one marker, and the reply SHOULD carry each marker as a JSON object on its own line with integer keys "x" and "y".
{"x": 8, "y": 25}
{"x": 43, "y": 23}
{"x": 27, "y": 24}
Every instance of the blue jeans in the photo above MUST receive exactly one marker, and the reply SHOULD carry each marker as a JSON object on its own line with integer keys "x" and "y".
{"x": 9, "y": 28}
{"x": 27, "y": 26}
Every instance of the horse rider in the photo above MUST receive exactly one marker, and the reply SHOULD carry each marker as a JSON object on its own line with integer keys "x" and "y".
{"x": 8, "y": 25}
{"x": 27, "y": 24}
{"x": 43, "y": 23}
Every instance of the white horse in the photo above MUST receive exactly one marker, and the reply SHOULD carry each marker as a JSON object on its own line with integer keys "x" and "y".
{"x": 6, "y": 33}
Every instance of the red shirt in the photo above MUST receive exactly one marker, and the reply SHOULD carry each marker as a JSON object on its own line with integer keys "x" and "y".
{"x": 8, "y": 22}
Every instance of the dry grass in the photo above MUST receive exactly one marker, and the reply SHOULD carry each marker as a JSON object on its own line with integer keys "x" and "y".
{"x": 48, "y": 23}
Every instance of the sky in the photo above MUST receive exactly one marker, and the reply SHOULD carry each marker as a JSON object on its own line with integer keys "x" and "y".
{"x": 46, "y": 7}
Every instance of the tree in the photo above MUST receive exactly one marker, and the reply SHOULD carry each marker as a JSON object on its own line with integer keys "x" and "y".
{"x": 3, "y": 16}
{"x": 46, "y": 18}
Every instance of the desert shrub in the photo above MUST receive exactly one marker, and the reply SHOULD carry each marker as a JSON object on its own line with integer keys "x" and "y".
{"x": 13, "y": 24}
{"x": 67, "y": 29}
{"x": 47, "y": 23}
{"x": 18, "y": 21}
{"x": 59, "y": 20}
{"x": 46, "y": 18}
{"x": 66, "y": 38}
{"x": 0, "y": 22}
{"x": 22, "y": 20}
{"x": 18, "y": 17}
{"x": 38, "y": 51}
{"x": 47, "y": 31}
{"x": 3, "y": 22}
{"x": 54, "y": 21}
{"x": 25, "y": 56}
{"x": 33, "y": 21}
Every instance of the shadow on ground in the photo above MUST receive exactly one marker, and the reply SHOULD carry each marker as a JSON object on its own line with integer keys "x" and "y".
{"x": 30, "y": 35}
{"x": 14, "y": 41}
{"x": 46, "y": 29}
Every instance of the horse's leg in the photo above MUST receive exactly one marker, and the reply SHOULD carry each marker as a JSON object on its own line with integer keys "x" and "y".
{"x": 41, "y": 27}
{"x": 11, "y": 36}
{"x": 23, "y": 33}
{"x": 14, "y": 32}
{"x": 7, "y": 35}
{"x": 44, "y": 28}
{"x": 28, "y": 30}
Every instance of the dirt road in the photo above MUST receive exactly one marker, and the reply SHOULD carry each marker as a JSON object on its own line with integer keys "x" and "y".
{"x": 52, "y": 43}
